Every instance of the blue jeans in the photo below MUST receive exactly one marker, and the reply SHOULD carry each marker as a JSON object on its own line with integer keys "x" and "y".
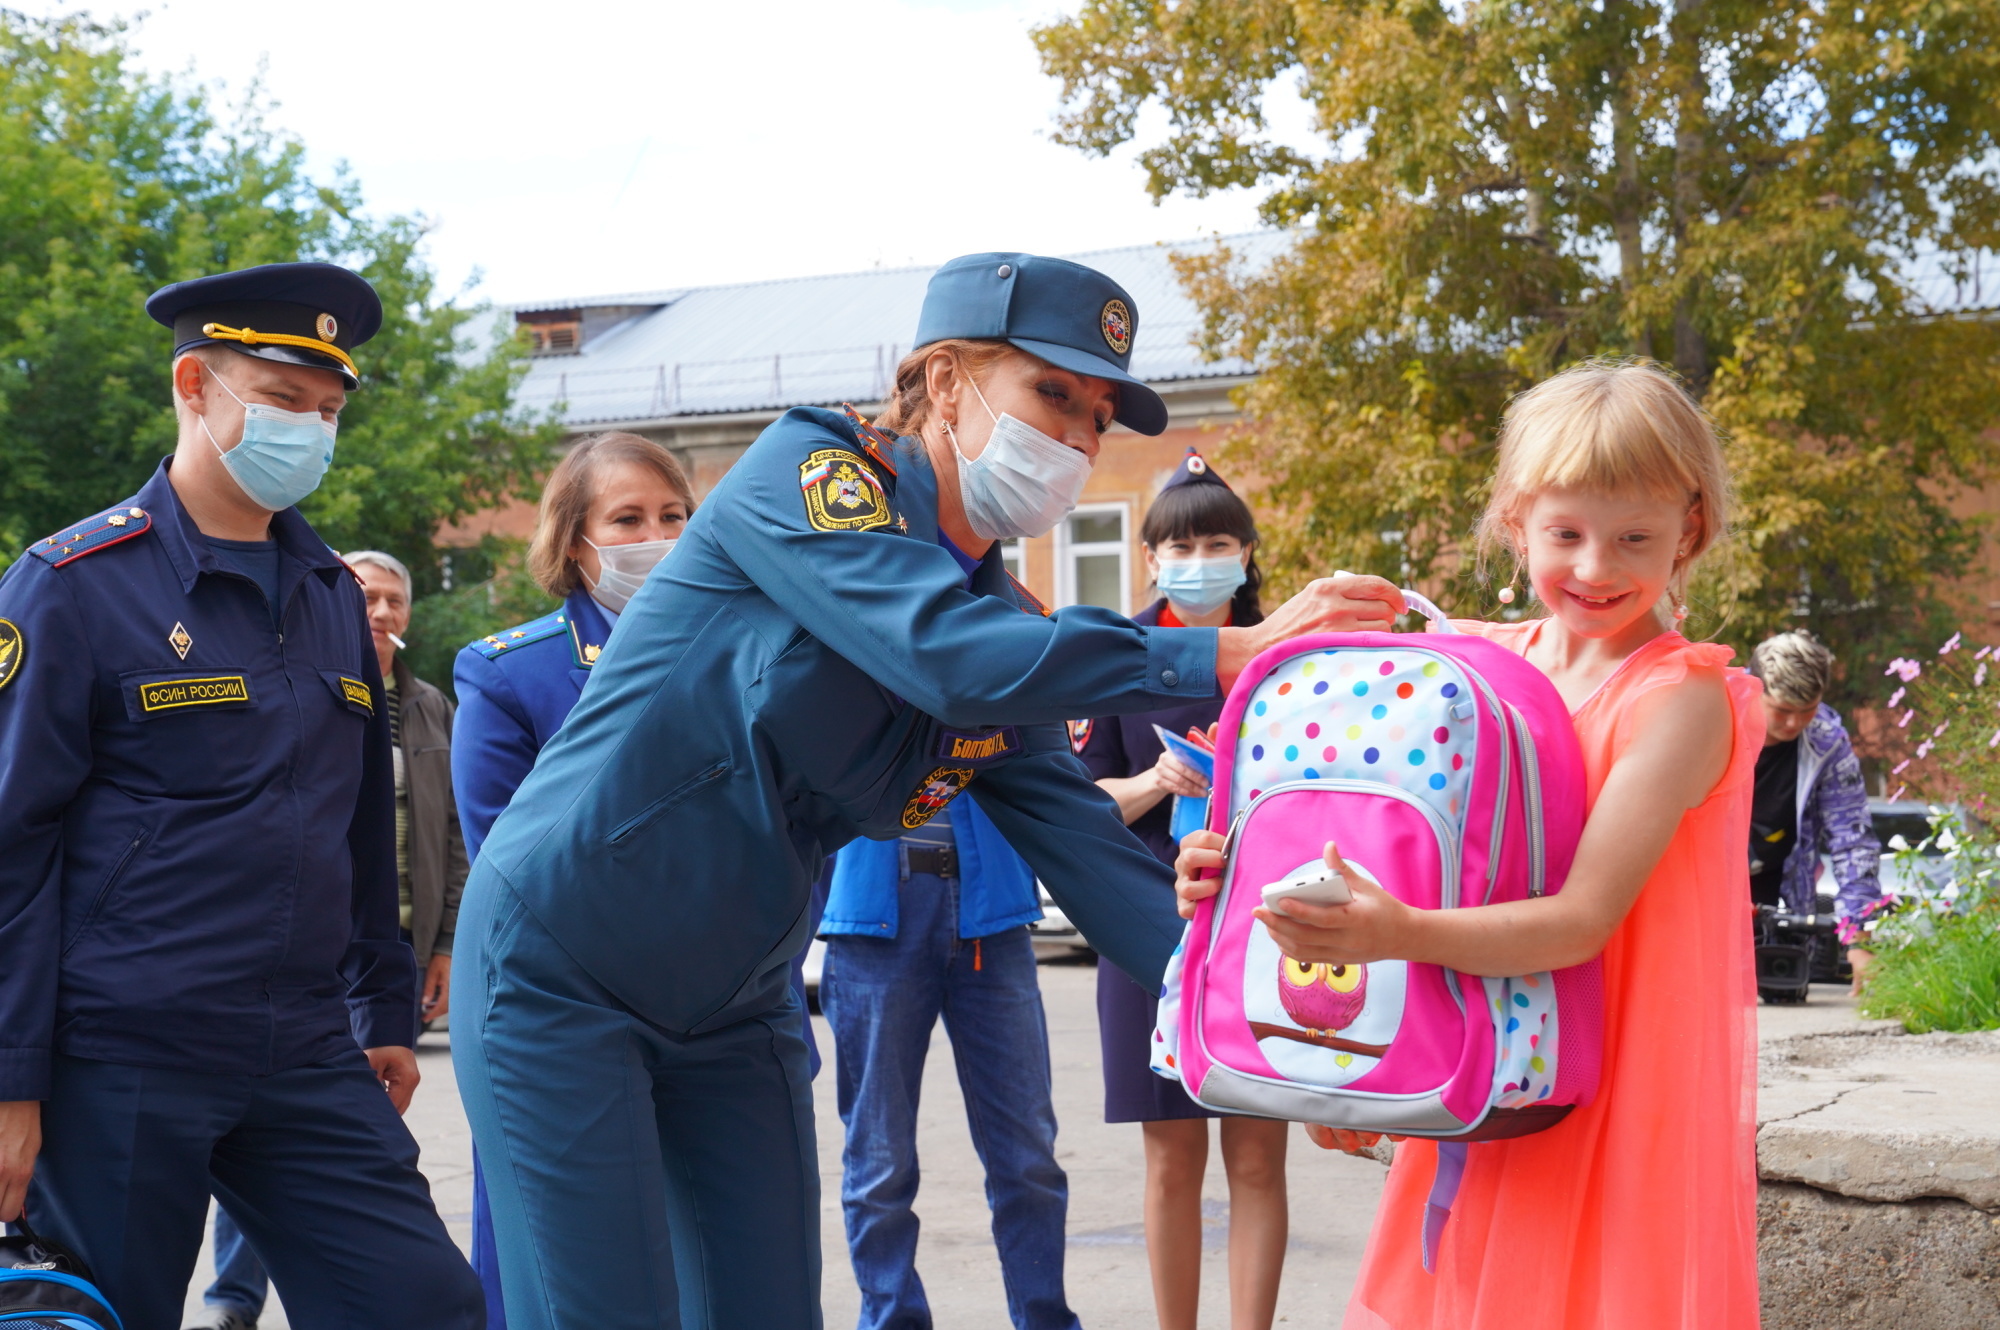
{"x": 240, "y": 1282}
{"x": 883, "y": 996}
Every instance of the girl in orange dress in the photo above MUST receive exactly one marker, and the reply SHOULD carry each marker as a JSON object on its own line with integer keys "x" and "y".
{"x": 1638, "y": 1211}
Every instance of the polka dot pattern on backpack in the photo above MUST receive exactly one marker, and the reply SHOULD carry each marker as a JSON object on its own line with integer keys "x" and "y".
{"x": 1402, "y": 718}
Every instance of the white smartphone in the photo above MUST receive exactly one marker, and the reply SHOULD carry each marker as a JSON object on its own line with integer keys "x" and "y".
{"x": 1313, "y": 882}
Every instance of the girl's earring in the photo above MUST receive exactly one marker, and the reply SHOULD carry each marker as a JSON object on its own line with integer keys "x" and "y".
{"x": 1506, "y": 595}
{"x": 1679, "y": 604}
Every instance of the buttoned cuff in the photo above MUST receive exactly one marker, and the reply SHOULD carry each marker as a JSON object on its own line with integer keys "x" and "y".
{"x": 384, "y": 1023}
{"x": 1180, "y": 662}
{"x": 24, "y": 1074}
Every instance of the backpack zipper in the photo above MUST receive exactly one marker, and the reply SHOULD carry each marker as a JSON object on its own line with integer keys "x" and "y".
{"x": 1531, "y": 810}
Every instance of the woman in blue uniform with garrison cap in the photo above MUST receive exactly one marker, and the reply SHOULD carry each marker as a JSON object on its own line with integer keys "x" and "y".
{"x": 834, "y": 650}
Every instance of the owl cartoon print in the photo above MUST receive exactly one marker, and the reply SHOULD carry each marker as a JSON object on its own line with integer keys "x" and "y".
{"x": 1324, "y": 998}
{"x": 1318, "y": 1022}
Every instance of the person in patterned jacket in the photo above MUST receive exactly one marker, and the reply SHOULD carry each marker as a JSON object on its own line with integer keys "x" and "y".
{"x": 1810, "y": 796}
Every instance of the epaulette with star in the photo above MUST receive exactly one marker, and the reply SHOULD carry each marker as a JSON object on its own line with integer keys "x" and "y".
{"x": 527, "y": 634}
{"x": 91, "y": 535}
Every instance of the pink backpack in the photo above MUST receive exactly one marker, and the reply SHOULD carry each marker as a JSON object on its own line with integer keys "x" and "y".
{"x": 1448, "y": 770}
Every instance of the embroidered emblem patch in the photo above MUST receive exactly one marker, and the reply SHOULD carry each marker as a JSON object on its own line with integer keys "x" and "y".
{"x": 978, "y": 747}
{"x": 174, "y": 694}
{"x": 841, "y": 492}
{"x": 357, "y": 692}
{"x": 179, "y": 640}
{"x": 1116, "y": 324}
{"x": 12, "y": 648}
{"x": 1079, "y": 734}
{"x": 939, "y": 788}
{"x": 326, "y": 327}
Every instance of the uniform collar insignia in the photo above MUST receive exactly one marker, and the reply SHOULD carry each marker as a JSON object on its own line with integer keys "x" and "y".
{"x": 180, "y": 641}
{"x": 874, "y": 442}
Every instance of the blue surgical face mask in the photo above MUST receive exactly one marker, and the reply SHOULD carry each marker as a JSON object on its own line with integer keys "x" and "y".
{"x": 282, "y": 456}
{"x": 1201, "y": 585}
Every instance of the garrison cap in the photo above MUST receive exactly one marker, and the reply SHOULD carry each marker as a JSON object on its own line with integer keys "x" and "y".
{"x": 1073, "y": 317}
{"x": 1194, "y": 470}
{"x": 300, "y": 313}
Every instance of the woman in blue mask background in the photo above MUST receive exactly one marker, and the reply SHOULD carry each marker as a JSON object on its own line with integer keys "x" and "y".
{"x": 1201, "y": 544}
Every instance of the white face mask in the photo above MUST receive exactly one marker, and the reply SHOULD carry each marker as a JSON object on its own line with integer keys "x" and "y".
{"x": 622, "y": 570}
{"x": 1022, "y": 483}
{"x": 282, "y": 455}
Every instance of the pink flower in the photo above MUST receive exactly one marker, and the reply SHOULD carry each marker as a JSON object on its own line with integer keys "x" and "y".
{"x": 1905, "y": 721}
{"x": 1979, "y": 676}
{"x": 1896, "y": 697}
{"x": 1951, "y": 645}
{"x": 1898, "y": 794}
{"x": 1940, "y": 729}
{"x": 1924, "y": 749}
{"x": 1906, "y": 670}
{"x": 1981, "y": 653}
{"x": 1897, "y": 770}
{"x": 1995, "y": 740}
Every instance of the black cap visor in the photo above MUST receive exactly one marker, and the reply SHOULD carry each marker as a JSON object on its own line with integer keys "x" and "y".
{"x": 1139, "y": 407}
{"x": 284, "y": 354}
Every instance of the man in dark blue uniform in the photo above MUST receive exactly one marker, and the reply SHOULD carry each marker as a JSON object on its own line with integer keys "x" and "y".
{"x": 202, "y": 986}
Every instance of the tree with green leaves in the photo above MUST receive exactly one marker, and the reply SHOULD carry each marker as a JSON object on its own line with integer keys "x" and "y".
{"x": 1783, "y": 200}
{"x": 114, "y": 183}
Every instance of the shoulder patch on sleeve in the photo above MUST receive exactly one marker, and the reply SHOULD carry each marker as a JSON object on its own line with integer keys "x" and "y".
{"x": 527, "y": 634}
{"x": 92, "y": 534}
{"x": 1026, "y": 599}
{"x": 842, "y": 492}
{"x": 12, "y": 648}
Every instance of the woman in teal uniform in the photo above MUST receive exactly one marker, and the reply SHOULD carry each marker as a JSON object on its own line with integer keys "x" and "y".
{"x": 812, "y": 665}
{"x": 611, "y": 510}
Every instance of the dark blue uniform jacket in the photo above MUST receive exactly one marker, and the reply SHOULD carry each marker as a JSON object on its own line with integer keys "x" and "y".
{"x": 515, "y": 689}
{"x": 197, "y": 810}
{"x": 808, "y": 666}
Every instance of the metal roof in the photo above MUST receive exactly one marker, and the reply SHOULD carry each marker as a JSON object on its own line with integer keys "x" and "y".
{"x": 759, "y": 346}
{"x": 764, "y": 346}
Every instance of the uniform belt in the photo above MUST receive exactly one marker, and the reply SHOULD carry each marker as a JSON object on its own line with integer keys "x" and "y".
{"x": 939, "y": 861}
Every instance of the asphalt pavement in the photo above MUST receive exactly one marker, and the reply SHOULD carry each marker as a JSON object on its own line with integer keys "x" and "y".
{"x": 1332, "y": 1196}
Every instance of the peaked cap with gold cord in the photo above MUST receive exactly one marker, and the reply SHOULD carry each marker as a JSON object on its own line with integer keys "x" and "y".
{"x": 311, "y": 314}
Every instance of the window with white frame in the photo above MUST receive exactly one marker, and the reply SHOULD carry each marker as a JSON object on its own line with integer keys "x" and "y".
{"x": 1093, "y": 558}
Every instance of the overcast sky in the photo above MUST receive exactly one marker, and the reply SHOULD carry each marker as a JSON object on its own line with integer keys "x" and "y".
{"x": 594, "y": 146}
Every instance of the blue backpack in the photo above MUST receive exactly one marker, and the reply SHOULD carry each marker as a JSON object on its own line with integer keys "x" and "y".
{"x": 45, "y": 1286}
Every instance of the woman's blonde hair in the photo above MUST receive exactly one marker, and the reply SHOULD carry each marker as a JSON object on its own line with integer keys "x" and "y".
{"x": 908, "y": 409}
{"x": 571, "y": 487}
{"x": 1609, "y": 427}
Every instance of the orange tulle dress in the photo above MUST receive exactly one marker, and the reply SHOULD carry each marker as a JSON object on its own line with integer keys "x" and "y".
{"x": 1638, "y": 1211}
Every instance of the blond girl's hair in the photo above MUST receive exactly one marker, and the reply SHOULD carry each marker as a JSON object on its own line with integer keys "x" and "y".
{"x": 1609, "y": 427}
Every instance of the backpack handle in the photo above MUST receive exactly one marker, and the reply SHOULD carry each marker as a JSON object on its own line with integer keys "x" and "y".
{"x": 1425, "y": 606}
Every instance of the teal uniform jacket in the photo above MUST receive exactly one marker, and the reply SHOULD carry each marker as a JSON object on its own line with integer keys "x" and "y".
{"x": 806, "y": 667}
